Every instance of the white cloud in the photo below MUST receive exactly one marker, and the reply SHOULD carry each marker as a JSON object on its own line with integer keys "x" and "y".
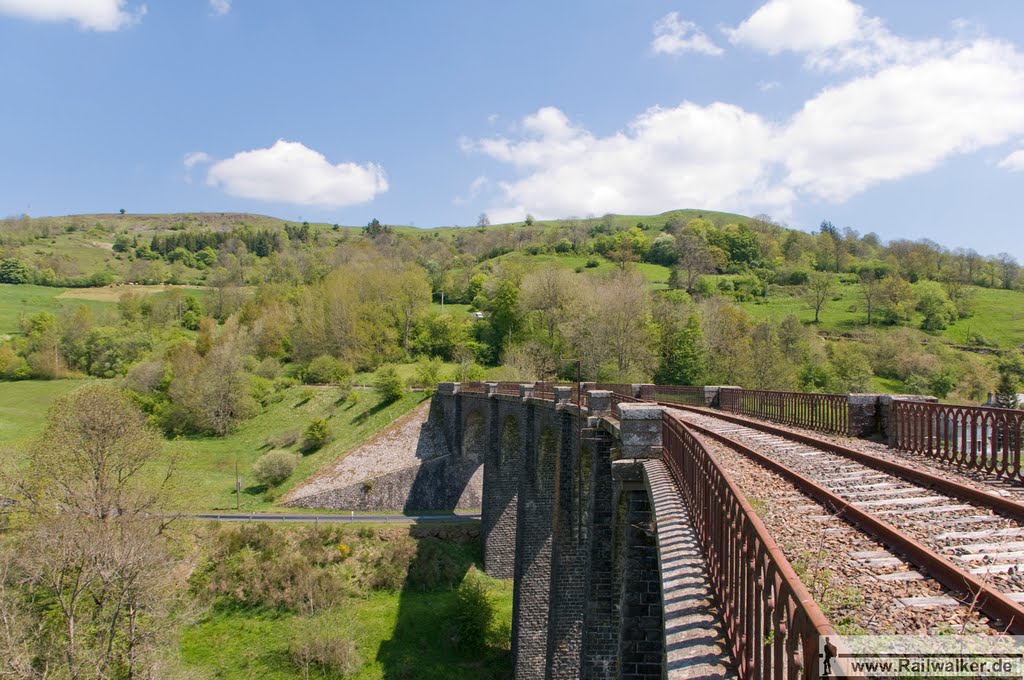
{"x": 194, "y": 158}
{"x": 220, "y": 7}
{"x": 475, "y": 187}
{"x": 96, "y": 15}
{"x": 767, "y": 85}
{"x": 1014, "y": 162}
{"x": 290, "y": 172}
{"x": 832, "y": 35}
{"x": 673, "y": 35}
{"x": 902, "y": 120}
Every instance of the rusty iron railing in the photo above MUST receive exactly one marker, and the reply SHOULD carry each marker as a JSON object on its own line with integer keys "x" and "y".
{"x": 680, "y": 394}
{"x": 471, "y": 388}
{"x": 821, "y": 412}
{"x": 617, "y": 399}
{"x": 973, "y": 437}
{"x": 773, "y": 626}
{"x": 509, "y": 388}
{"x": 617, "y": 388}
{"x": 546, "y": 390}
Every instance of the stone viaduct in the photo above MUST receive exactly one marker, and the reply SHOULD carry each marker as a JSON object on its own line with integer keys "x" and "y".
{"x": 568, "y": 512}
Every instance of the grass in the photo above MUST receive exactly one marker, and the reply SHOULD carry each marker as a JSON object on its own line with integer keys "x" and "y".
{"x": 207, "y": 464}
{"x": 25, "y": 300}
{"x": 399, "y": 633}
{"x": 998, "y": 315}
{"x": 23, "y": 407}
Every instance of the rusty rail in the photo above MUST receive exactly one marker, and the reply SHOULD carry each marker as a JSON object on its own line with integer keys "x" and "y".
{"x": 772, "y": 623}
{"x": 822, "y": 412}
{"x": 680, "y": 394}
{"x": 972, "y": 437}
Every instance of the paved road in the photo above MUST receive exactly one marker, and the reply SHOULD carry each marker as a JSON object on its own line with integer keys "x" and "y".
{"x": 299, "y": 517}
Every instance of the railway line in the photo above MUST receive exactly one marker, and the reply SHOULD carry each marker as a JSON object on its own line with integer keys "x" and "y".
{"x": 910, "y": 539}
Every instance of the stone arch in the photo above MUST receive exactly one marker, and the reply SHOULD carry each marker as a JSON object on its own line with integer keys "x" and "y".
{"x": 474, "y": 438}
{"x": 510, "y": 445}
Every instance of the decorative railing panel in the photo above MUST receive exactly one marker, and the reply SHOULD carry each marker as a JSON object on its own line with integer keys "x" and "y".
{"x": 509, "y": 388}
{"x": 680, "y": 394}
{"x": 973, "y": 437}
{"x": 773, "y": 626}
{"x": 821, "y": 412}
{"x": 471, "y": 388}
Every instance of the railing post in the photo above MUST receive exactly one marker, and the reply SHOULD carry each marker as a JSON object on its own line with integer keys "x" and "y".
{"x": 490, "y": 389}
{"x": 864, "y": 414}
{"x": 640, "y": 430}
{"x": 448, "y": 389}
{"x": 562, "y": 394}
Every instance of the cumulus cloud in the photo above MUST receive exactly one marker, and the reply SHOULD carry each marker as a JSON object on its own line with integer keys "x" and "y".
{"x": 194, "y": 158}
{"x": 220, "y": 7}
{"x": 1014, "y": 162}
{"x": 95, "y": 15}
{"x": 833, "y": 35}
{"x": 289, "y": 172}
{"x": 901, "y": 120}
{"x": 673, "y": 35}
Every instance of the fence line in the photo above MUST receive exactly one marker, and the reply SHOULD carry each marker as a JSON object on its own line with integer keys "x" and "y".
{"x": 773, "y": 624}
{"x": 822, "y": 412}
{"x": 680, "y": 394}
{"x": 973, "y": 437}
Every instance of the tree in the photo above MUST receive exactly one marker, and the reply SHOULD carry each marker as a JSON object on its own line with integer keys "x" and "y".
{"x": 316, "y": 435}
{"x": 13, "y": 270}
{"x": 93, "y": 551}
{"x": 870, "y": 290}
{"x": 483, "y": 220}
{"x": 896, "y": 298}
{"x": 932, "y": 301}
{"x": 682, "y": 359}
{"x": 694, "y": 259}
{"x": 818, "y": 291}
{"x": 548, "y": 292}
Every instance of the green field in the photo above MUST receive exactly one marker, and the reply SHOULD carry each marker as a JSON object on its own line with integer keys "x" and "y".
{"x": 21, "y": 300}
{"x": 206, "y": 465}
{"x": 402, "y": 633}
{"x": 998, "y": 315}
{"x": 23, "y": 407}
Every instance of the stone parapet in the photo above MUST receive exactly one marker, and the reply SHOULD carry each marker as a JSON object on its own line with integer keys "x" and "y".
{"x": 640, "y": 430}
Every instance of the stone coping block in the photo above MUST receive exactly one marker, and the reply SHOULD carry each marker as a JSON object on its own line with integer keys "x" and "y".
{"x": 447, "y": 388}
{"x": 629, "y": 411}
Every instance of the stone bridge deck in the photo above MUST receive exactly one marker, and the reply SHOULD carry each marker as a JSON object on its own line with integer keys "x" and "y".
{"x": 694, "y": 638}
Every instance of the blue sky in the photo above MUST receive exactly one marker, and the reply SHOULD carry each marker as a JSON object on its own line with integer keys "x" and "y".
{"x": 903, "y": 118}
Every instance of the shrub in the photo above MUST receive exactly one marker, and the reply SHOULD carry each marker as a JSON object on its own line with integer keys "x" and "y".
{"x": 316, "y": 435}
{"x": 474, "y": 613}
{"x": 326, "y": 649}
{"x": 389, "y": 385}
{"x": 326, "y": 370}
{"x": 428, "y": 373}
{"x": 274, "y": 467}
{"x": 593, "y": 262}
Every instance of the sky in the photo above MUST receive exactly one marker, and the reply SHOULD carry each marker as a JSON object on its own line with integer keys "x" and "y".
{"x": 904, "y": 118}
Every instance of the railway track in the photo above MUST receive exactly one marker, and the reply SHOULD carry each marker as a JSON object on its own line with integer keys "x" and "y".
{"x": 926, "y": 527}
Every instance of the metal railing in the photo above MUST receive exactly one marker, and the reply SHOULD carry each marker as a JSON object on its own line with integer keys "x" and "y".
{"x": 471, "y": 388}
{"x": 617, "y": 388}
{"x": 508, "y": 388}
{"x": 821, "y": 412}
{"x": 680, "y": 394}
{"x": 617, "y": 399}
{"x": 773, "y": 626}
{"x": 973, "y": 437}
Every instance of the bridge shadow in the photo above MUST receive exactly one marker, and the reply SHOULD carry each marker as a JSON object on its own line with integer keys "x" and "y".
{"x": 445, "y": 480}
{"x": 427, "y": 641}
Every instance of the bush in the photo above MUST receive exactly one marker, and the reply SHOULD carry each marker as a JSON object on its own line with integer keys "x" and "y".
{"x": 326, "y": 649}
{"x": 316, "y": 435}
{"x": 274, "y": 467}
{"x": 326, "y": 370}
{"x": 593, "y": 262}
{"x": 474, "y": 613}
{"x": 389, "y": 385}
{"x": 428, "y": 373}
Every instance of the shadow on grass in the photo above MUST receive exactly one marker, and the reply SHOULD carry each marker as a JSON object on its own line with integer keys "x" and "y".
{"x": 372, "y": 411}
{"x": 426, "y": 641}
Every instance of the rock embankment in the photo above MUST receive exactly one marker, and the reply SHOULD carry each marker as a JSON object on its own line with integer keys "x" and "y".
{"x": 407, "y": 466}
